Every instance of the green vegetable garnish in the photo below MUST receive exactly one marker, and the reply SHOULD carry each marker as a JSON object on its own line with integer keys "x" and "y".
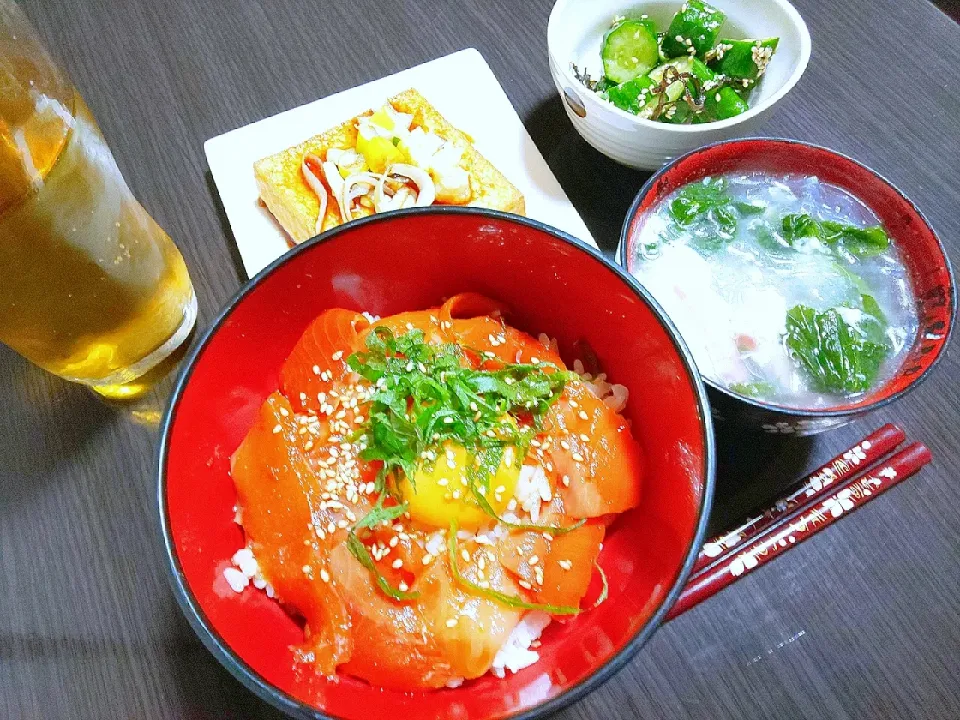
{"x": 508, "y": 600}
{"x": 862, "y": 242}
{"x": 698, "y": 199}
{"x": 758, "y": 389}
{"x": 377, "y": 515}
{"x": 797, "y": 226}
{"x": 424, "y": 397}
{"x": 747, "y": 209}
{"x": 605, "y": 591}
{"x": 838, "y": 356}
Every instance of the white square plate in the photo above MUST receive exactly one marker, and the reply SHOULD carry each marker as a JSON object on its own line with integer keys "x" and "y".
{"x": 461, "y": 86}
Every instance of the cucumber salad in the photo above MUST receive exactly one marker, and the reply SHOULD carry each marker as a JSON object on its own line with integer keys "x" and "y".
{"x": 688, "y": 74}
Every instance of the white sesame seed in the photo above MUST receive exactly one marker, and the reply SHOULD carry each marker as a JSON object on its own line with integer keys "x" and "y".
{"x": 397, "y": 564}
{"x": 583, "y": 415}
{"x": 277, "y": 428}
{"x": 337, "y": 355}
{"x": 403, "y": 587}
{"x": 452, "y": 622}
{"x": 324, "y": 575}
{"x": 533, "y": 560}
{"x": 565, "y": 564}
{"x": 577, "y": 457}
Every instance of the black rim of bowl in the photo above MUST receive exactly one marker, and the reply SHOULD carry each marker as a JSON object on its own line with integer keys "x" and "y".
{"x": 278, "y": 698}
{"x": 621, "y": 258}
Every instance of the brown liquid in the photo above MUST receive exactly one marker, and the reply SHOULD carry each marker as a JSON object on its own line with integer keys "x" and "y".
{"x": 91, "y": 288}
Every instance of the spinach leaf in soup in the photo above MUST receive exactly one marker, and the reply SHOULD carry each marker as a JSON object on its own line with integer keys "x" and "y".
{"x": 769, "y": 240}
{"x": 706, "y": 210}
{"x": 861, "y": 242}
{"x": 797, "y": 226}
{"x": 839, "y": 357}
{"x": 698, "y": 199}
{"x": 756, "y": 390}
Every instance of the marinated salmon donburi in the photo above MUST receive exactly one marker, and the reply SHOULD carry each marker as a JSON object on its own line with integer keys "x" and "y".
{"x": 428, "y": 491}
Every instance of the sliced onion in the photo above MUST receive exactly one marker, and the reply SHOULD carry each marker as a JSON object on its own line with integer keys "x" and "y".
{"x": 313, "y": 180}
{"x": 335, "y": 180}
{"x": 426, "y": 190}
{"x": 404, "y": 198}
{"x": 381, "y": 201}
{"x": 354, "y": 186}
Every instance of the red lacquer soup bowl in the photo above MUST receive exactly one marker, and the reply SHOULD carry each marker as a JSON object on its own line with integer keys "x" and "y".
{"x": 919, "y": 248}
{"x": 411, "y": 260}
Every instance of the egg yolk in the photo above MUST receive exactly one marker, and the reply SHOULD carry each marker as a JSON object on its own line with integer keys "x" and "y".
{"x": 440, "y": 492}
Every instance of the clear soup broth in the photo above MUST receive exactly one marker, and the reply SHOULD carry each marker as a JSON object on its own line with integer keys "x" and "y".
{"x": 786, "y": 288}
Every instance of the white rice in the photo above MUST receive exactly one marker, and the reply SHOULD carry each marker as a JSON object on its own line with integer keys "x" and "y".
{"x": 533, "y": 487}
{"x": 614, "y": 396}
{"x": 516, "y": 653}
{"x": 245, "y": 571}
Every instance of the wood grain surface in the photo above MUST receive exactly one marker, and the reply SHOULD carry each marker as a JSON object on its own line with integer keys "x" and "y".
{"x": 862, "y": 621}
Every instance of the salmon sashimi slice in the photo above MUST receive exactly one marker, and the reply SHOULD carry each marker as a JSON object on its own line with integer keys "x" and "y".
{"x": 553, "y": 569}
{"x": 278, "y": 492}
{"x": 476, "y": 323}
{"x": 594, "y": 450}
{"x": 318, "y": 360}
{"x": 427, "y": 321}
{"x": 448, "y": 634}
{"x": 568, "y": 566}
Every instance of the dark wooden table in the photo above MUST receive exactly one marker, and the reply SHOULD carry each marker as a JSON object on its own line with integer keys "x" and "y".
{"x": 863, "y": 621}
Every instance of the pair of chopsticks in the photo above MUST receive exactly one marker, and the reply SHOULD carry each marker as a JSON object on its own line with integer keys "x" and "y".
{"x": 835, "y": 489}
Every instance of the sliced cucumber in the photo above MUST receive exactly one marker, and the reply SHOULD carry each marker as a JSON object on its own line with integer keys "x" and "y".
{"x": 629, "y": 50}
{"x": 722, "y": 104}
{"x": 631, "y": 95}
{"x": 743, "y": 59}
{"x": 674, "y": 89}
{"x": 693, "y": 30}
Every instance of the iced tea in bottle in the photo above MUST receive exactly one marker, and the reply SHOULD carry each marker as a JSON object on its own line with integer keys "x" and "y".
{"x": 91, "y": 288}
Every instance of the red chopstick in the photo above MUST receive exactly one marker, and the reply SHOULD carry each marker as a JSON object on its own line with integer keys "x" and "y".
{"x": 802, "y": 524}
{"x": 865, "y": 453}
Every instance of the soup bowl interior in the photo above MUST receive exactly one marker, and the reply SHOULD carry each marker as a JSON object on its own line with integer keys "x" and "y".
{"x": 919, "y": 248}
{"x": 410, "y": 260}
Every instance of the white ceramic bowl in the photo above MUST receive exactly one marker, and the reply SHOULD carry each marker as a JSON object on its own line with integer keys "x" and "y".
{"x": 574, "y": 35}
